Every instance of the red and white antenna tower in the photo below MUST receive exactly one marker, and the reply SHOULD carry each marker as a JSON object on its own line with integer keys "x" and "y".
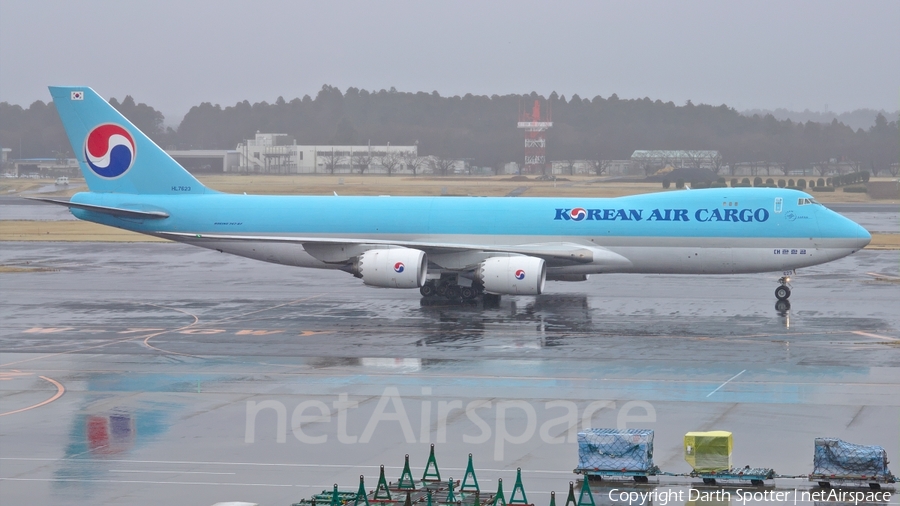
{"x": 535, "y": 137}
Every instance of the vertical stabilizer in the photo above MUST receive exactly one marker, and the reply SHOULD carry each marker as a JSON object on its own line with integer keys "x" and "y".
{"x": 114, "y": 156}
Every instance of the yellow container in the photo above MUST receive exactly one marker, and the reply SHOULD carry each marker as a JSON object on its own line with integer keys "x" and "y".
{"x": 708, "y": 452}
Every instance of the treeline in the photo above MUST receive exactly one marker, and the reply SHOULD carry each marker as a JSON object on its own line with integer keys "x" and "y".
{"x": 37, "y": 132}
{"x": 482, "y": 129}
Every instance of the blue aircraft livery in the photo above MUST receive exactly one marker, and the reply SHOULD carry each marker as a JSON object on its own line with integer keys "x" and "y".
{"x": 458, "y": 246}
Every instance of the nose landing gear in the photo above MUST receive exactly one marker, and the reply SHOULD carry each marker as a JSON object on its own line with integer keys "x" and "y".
{"x": 783, "y": 293}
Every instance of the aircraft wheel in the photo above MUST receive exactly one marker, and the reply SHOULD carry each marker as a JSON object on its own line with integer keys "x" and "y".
{"x": 427, "y": 290}
{"x": 782, "y": 293}
{"x": 782, "y": 306}
{"x": 468, "y": 292}
{"x": 442, "y": 289}
{"x": 453, "y": 291}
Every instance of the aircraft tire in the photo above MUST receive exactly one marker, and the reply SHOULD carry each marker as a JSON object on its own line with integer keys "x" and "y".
{"x": 782, "y": 293}
{"x": 427, "y": 290}
{"x": 453, "y": 291}
{"x": 468, "y": 292}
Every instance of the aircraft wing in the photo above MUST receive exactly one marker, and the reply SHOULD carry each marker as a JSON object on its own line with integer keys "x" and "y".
{"x": 340, "y": 250}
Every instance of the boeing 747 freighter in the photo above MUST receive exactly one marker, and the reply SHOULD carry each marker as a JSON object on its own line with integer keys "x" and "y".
{"x": 459, "y": 247}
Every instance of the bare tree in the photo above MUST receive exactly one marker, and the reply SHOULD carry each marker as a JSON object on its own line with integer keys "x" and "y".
{"x": 695, "y": 158}
{"x": 330, "y": 159}
{"x": 412, "y": 161}
{"x": 717, "y": 163}
{"x": 441, "y": 165}
{"x": 362, "y": 161}
{"x": 598, "y": 167}
{"x": 569, "y": 165}
{"x": 390, "y": 161}
{"x": 822, "y": 167}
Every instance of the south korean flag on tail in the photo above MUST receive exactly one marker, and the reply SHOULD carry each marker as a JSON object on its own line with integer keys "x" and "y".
{"x": 77, "y": 95}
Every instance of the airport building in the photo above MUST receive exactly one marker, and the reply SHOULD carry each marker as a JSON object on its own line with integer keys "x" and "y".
{"x": 280, "y": 154}
{"x": 207, "y": 161}
{"x": 41, "y": 167}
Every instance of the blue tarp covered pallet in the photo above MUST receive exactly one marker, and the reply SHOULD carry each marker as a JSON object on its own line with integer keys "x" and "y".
{"x": 625, "y": 450}
{"x": 838, "y": 459}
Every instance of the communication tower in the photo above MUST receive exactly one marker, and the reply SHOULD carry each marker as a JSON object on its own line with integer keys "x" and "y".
{"x": 535, "y": 137}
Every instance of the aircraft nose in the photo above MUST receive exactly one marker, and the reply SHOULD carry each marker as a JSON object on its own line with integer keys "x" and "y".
{"x": 863, "y": 235}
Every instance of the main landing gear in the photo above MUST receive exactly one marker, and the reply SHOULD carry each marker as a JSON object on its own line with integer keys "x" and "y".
{"x": 450, "y": 289}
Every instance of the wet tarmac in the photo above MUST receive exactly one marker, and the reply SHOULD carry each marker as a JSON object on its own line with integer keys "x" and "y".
{"x": 164, "y": 374}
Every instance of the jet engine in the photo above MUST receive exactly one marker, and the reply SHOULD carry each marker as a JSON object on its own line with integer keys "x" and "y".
{"x": 391, "y": 268}
{"x": 515, "y": 275}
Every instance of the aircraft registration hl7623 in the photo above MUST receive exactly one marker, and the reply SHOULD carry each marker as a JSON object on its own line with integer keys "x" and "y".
{"x": 459, "y": 247}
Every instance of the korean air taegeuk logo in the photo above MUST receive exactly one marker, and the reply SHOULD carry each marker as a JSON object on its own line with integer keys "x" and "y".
{"x": 109, "y": 150}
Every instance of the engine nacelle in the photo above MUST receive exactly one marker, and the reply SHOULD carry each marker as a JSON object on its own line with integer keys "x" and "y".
{"x": 515, "y": 275}
{"x": 391, "y": 268}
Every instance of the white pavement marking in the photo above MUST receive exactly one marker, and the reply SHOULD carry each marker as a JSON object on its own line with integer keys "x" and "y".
{"x": 883, "y": 276}
{"x": 727, "y": 382}
{"x": 876, "y": 336}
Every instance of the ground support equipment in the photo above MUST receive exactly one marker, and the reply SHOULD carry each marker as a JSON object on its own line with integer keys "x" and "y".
{"x": 755, "y": 475}
{"x": 620, "y": 474}
{"x": 852, "y": 481}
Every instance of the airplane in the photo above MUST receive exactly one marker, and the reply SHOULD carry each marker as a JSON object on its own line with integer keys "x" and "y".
{"x": 456, "y": 247}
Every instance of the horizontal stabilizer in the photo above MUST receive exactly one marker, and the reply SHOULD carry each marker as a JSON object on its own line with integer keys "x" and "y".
{"x": 112, "y": 211}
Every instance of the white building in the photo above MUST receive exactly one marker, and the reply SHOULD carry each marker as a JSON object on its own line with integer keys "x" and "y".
{"x": 280, "y": 154}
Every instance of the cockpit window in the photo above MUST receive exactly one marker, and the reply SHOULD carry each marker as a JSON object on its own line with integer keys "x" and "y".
{"x": 806, "y": 202}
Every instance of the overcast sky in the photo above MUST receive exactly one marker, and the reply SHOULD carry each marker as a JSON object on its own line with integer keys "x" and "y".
{"x": 176, "y": 54}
